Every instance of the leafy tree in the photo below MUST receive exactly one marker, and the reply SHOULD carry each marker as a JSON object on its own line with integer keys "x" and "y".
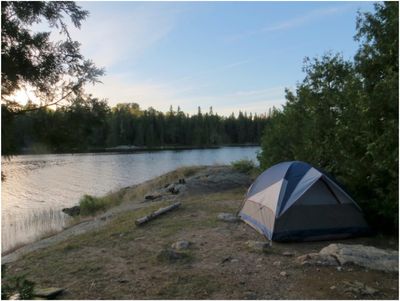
{"x": 343, "y": 117}
{"x": 55, "y": 70}
{"x": 377, "y": 61}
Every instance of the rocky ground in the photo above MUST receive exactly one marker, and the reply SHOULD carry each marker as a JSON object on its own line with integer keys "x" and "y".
{"x": 195, "y": 252}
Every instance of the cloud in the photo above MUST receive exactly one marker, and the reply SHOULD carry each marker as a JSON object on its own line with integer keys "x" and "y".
{"x": 110, "y": 39}
{"x": 161, "y": 95}
{"x": 292, "y": 23}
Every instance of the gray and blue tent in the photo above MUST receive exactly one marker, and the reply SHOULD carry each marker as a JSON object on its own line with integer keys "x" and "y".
{"x": 293, "y": 201}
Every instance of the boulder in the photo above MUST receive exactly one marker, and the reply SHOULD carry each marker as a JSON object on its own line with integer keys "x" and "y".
{"x": 73, "y": 211}
{"x": 317, "y": 259}
{"x": 181, "y": 245}
{"x": 228, "y": 217}
{"x": 365, "y": 256}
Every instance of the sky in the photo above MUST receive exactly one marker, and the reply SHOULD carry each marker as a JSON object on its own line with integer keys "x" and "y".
{"x": 229, "y": 55}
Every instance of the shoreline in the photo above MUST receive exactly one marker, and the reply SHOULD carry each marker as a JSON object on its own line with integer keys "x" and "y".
{"x": 89, "y": 223}
{"x": 134, "y": 149}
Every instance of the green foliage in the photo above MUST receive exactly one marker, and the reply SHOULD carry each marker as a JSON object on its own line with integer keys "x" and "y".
{"x": 55, "y": 70}
{"x": 91, "y": 124}
{"x": 15, "y": 285}
{"x": 343, "y": 117}
{"x": 90, "y": 205}
{"x": 245, "y": 166}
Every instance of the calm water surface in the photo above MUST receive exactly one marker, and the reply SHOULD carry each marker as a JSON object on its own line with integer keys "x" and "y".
{"x": 37, "y": 187}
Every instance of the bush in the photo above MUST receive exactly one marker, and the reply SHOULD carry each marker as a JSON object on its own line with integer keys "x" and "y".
{"x": 245, "y": 166}
{"x": 90, "y": 205}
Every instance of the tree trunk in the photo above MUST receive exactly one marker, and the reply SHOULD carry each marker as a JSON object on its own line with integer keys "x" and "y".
{"x": 154, "y": 214}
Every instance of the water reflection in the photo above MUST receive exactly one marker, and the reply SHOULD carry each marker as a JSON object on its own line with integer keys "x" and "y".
{"x": 38, "y": 186}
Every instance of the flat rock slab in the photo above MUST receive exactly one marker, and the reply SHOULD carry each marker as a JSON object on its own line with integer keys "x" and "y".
{"x": 47, "y": 293}
{"x": 365, "y": 256}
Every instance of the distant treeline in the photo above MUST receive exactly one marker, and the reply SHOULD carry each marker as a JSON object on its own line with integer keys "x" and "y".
{"x": 344, "y": 118}
{"x": 92, "y": 124}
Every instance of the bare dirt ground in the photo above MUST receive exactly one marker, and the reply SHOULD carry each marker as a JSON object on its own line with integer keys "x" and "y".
{"x": 118, "y": 260}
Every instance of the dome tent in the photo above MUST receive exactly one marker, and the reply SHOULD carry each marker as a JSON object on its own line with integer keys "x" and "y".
{"x": 293, "y": 201}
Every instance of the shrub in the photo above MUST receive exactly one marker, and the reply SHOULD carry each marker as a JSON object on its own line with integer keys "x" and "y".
{"x": 90, "y": 205}
{"x": 245, "y": 166}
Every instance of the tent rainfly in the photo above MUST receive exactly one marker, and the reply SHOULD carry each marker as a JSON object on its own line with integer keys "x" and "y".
{"x": 293, "y": 201}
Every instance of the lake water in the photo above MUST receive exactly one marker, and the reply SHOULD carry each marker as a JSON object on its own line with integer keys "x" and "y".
{"x": 37, "y": 187}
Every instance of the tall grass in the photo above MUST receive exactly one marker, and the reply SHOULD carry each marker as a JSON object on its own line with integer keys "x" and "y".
{"x": 31, "y": 227}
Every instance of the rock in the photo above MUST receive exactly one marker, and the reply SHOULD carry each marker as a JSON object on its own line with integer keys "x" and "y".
{"x": 255, "y": 245}
{"x": 288, "y": 254}
{"x": 152, "y": 197}
{"x": 48, "y": 293}
{"x": 365, "y": 256}
{"x": 317, "y": 259}
{"x": 339, "y": 269}
{"x": 333, "y": 287}
{"x": 73, "y": 211}
{"x": 171, "y": 255}
{"x": 175, "y": 188}
{"x": 181, "y": 245}
{"x": 15, "y": 297}
{"x": 228, "y": 217}
{"x": 234, "y": 260}
{"x": 276, "y": 263}
{"x": 359, "y": 288}
{"x": 283, "y": 274}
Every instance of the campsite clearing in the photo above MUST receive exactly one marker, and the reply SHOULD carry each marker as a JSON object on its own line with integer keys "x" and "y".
{"x": 118, "y": 260}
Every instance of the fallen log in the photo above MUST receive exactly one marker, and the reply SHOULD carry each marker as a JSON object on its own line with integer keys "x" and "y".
{"x": 154, "y": 214}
